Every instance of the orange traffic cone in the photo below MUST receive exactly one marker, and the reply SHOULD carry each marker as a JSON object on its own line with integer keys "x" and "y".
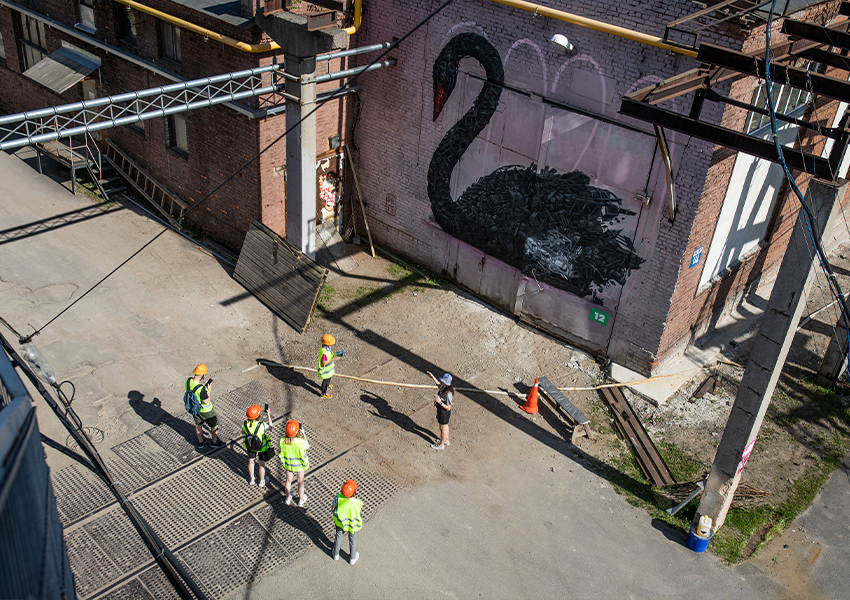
{"x": 530, "y": 405}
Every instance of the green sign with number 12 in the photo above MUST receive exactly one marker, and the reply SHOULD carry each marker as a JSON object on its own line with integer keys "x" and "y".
{"x": 597, "y": 316}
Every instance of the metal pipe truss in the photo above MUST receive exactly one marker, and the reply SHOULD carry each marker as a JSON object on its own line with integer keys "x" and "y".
{"x": 48, "y": 124}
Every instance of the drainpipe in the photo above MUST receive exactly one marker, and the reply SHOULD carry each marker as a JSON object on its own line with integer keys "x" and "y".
{"x": 622, "y": 32}
{"x": 358, "y": 14}
{"x": 182, "y": 24}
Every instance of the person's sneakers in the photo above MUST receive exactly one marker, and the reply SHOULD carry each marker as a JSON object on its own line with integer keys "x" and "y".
{"x": 251, "y": 481}
{"x": 288, "y": 500}
{"x": 218, "y": 444}
{"x": 200, "y": 446}
{"x": 264, "y": 482}
{"x": 437, "y": 442}
{"x": 327, "y": 395}
{"x": 302, "y": 501}
{"x": 354, "y": 560}
{"x": 438, "y": 447}
{"x": 336, "y": 556}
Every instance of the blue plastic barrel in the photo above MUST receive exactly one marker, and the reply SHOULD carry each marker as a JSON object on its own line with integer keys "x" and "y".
{"x": 696, "y": 542}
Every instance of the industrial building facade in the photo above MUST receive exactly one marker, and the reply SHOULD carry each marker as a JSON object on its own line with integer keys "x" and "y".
{"x": 486, "y": 154}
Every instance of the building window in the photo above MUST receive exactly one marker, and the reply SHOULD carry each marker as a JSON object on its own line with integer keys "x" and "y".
{"x": 785, "y": 98}
{"x": 33, "y": 43}
{"x": 177, "y": 139}
{"x": 126, "y": 18}
{"x": 86, "y": 16}
{"x": 170, "y": 42}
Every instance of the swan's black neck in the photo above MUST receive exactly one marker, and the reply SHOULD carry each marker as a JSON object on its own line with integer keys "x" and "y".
{"x": 462, "y": 133}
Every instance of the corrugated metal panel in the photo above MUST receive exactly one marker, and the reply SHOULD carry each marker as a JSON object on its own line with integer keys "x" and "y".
{"x": 63, "y": 69}
{"x": 282, "y": 277}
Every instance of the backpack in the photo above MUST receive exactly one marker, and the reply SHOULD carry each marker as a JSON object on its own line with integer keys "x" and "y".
{"x": 190, "y": 401}
{"x": 253, "y": 442}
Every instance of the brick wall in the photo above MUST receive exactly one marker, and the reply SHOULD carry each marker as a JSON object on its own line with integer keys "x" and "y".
{"x": 696, "y": 312}
{"x": 220, "y": 140}
{"x": 398, "y": 137}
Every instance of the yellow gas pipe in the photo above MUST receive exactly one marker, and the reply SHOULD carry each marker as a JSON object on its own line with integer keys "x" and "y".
{"x": 622, "y": 32}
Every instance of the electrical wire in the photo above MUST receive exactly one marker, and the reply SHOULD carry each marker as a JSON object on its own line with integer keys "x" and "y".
{"x": 318, "y": 105}
{"x": 808, "y": 215}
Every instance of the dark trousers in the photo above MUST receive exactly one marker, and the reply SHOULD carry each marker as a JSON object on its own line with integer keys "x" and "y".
{"x": 325, "y": 384}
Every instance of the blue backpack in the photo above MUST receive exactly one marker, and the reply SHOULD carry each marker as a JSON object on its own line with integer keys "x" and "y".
{"x": 190, "y": 401}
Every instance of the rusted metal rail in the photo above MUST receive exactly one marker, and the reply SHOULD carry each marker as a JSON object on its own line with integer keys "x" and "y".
{"x": 628, "y": 424}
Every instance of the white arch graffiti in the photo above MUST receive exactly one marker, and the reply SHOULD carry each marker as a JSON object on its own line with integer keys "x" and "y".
{"x": 540, "y": 56}
{"x": 592, "y": 61}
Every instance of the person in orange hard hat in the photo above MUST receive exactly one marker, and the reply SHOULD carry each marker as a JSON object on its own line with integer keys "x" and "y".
{"x": 293, "y": 454}
{"x": 257, "y": 443}
{"x": 207, "y": 415}
{"x": 443, "y": 402}
{"x": 347, "y": 519}
{"x": 326, "y": 363}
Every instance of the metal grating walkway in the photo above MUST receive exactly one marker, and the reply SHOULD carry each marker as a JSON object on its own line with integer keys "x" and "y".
{"x": 201, "y": 507}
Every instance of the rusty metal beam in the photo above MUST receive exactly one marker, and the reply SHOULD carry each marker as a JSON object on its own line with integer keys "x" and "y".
{"x": 826, "y": 57}
{"x": 736, "y": 140}
{"x": 782, "y": 74}
{"x": 822, "y": 35}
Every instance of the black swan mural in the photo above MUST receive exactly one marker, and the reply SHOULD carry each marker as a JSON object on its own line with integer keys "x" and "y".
{"x": 550, "y": 225}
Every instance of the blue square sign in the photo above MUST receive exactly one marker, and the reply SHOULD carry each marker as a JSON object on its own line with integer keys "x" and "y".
{"x": 696, "y": 256}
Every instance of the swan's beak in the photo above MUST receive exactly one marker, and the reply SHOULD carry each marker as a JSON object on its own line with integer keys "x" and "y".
{"x": 440, "y": 98}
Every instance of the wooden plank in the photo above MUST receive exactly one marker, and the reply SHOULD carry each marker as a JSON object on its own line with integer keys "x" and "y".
{"x": 556, "y": 395}
{"x": 279, "y": 275}
{"x": 360, "y": 198}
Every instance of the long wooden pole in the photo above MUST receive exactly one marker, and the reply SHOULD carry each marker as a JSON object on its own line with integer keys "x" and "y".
{"x": 360, "y": 198}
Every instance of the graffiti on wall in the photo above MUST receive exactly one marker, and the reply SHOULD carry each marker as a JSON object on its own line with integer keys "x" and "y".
{"x": 553, "y": 226}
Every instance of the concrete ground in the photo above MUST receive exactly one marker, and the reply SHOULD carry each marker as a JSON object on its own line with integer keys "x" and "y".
{"x": 509, "y": 510}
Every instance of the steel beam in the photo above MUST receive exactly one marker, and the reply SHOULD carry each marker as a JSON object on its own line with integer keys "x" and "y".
{"x": 826, "y": 57}
{"x": 816, "y": 33}
{"x": 736, "y": 140}
{"x": 783, "y": 74}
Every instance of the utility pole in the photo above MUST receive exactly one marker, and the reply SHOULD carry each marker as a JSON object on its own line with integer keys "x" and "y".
{"x": 300, "y": 48}
{"x": 779, "y": 324}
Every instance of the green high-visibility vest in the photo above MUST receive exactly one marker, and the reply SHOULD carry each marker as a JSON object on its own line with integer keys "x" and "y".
{"x": 347, "y": 513}
{"x": 259, "y": 430}
{"x": 294, "y": 455}
{"x": 196, "y": 389}
{"x": 327, "y": 371}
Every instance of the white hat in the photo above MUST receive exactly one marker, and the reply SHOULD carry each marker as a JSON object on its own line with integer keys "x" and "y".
{"x": 447, "y": 379}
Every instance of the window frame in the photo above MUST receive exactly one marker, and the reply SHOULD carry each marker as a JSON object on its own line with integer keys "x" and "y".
{"x": 170, "y": 42}
{"x": 85, "y": 8}
{"x": 126, "y": 19}
{"x": 30, "y": 49}
{"x": 178, "y": 127}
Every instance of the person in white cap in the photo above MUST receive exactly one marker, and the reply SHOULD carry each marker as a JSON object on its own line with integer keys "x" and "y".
{"x": 443, "y": 402}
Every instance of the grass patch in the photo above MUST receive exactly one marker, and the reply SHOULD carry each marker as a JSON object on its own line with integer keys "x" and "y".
{"x": 326, "y": 298}
{"x": 683, "y": 466}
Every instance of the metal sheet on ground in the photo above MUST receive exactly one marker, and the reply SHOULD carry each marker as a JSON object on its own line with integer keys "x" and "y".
{"x": 156, "y": 581}
{"x": 116, "y": 536}
{"x": 176, "y": 437}
{"x": 92, "y": 567}
{"x": 146, "y": 457}
{"x": 253, "y": 546}
{"x": 216, "y": 567}
{"x": 79, "y": 493}
{"x": 132, "y": 590}
{"x": 284, "y": 279}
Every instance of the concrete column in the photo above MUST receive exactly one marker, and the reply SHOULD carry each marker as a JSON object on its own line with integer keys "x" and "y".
{"x": 779, "y": 324}
{"x": 301, "y": 155}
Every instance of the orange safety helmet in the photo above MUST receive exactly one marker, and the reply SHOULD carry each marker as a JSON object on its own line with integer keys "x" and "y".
{"x": 349, "y": 488}
{"x": 328, "y": 340}
{"x": 292, "y": 428}
{"x": 200, "y": 370}
{"x": 254, "y": 411}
